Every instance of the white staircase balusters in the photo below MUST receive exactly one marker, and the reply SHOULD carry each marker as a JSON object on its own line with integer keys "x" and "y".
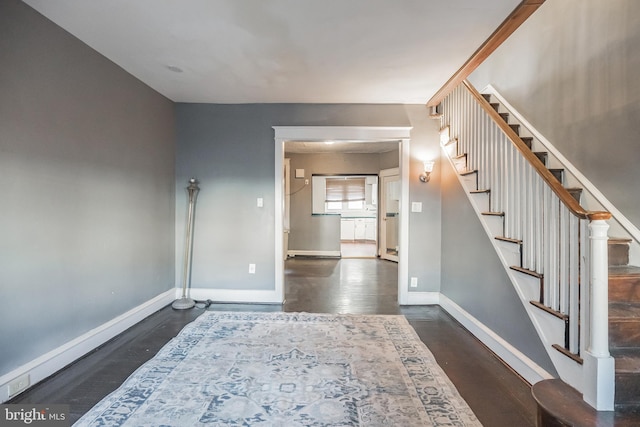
{"x": 553, "y": 229}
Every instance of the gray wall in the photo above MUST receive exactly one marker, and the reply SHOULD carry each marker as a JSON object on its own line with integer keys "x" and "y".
{"x": 425, "y": 226}
{"x": 308, "y": 232}
{"x": 474, "y": 278}
{"x": 231, "y": 150}
{"x": 86, "y": 188}
{"x": 572, "y": 71}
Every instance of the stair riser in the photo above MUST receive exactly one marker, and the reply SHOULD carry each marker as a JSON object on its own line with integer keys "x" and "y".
{"x": 470, "y": 181}
{"x": 624, "y": 333}
{"x": 628, "y": 388}
{"x": 557, "y": 173}
{"x": 482, "y": 201}
{"x": 618, "y": 254}
{"x": 624, "y": 289}
{"x": 460, "y": 164}
{"x": 495, "y": 225}
{"x": 511, "y": 252}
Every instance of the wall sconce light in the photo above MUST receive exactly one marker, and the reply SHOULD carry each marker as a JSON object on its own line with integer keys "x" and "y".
{"x": 428, "y": 168}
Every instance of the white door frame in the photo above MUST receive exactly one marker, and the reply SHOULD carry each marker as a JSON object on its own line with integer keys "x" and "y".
{"x": 344, "y": 133}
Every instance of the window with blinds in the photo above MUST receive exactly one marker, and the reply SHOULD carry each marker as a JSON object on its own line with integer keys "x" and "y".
{"x": 337, "y": 194}
{"x": 345, "y": 192}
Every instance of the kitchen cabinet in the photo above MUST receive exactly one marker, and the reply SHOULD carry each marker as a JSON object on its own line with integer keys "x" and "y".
{"x": 354, "y": 229}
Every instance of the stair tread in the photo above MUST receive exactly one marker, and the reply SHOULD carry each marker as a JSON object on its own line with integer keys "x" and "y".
{"x": 526, "y": 271}
{"x": 624, "y": 311}
{"x": 469, "y": 172}
{"x": 553, "y": 312}
{"x": 627, "y": 359}
{"x": 493, "y": 213}
{"x": 508, "y": 239}
{"x": 451, "y": 141}
{"x": 460, "y": 156}
{"x": 624, "y": 271}
{"x": 562, "y": 405}
{"x": 486, "y": 190}
{"x": 616, "y": 240}
{"x": 576, "y": 358}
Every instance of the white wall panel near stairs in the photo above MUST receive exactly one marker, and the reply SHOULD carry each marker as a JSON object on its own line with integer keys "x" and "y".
{"x": 550, "y": 233}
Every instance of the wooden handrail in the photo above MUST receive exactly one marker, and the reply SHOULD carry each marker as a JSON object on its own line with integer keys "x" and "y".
{"x": 508, "y": 26}
{"x": 565, "y": 197}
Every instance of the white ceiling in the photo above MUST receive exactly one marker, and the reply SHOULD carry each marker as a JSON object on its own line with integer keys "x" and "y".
{"x": 286, "y": 51}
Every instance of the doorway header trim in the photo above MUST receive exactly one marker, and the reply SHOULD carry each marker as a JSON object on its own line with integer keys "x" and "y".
{"x": 351, "y": 133}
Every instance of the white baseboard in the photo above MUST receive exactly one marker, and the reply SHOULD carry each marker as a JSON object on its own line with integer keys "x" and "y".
{"x": 423, "y": 298}
{"x": 518, "y": 361}
{"x": 294, "y": 252}
{"x": 51, "y": 362}
{"x": 234, "y": 295}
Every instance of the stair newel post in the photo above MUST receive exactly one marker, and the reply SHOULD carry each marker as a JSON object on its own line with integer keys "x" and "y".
{"x": 599, "y": 366}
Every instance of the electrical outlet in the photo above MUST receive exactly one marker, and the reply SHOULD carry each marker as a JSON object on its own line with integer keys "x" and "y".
{"x": 252, "y": 269}
{"x": 19, "y": 384}
{"x": 414, "y": 282}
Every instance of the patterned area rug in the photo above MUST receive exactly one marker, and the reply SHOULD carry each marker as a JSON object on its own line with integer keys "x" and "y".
{"x": 288, "y": 369}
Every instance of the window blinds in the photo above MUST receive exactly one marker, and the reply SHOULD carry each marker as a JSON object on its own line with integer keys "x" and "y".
{"x": 345, "y": 189}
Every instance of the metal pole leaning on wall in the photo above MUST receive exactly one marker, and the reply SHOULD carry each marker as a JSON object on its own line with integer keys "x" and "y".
{"x": 184, "y": 302}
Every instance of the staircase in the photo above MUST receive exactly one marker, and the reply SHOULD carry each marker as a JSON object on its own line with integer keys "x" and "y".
{"x": 624, "y": 295}
{"x": 624, "y": 323}
{"x": 554, "y": 290}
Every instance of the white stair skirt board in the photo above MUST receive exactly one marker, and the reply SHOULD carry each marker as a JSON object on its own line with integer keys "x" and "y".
{"x": 525, "y": 367}
{"x": 56, "y": 359}
{"x": 236, "y": 295}
{"x": 293, "y": 252}
{"x": 423, "y": 298}
{"x": 550, "y": 329}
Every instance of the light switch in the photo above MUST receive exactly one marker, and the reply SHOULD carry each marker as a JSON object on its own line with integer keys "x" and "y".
{"x": 299, "y": 173}
{"x": 416, "y": 207}
{"x": 260, "y": 202}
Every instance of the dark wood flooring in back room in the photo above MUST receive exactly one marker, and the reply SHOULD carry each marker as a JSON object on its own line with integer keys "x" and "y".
{"x": 358, "y": 286}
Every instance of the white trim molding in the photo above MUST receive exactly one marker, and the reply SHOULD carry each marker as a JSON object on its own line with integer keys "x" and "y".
{"x": 402, "y": 134}
{"x": 56, "y": 359}
{"x": 518, "y": 361}
{"x": 236, "y": 295}
{"x": 423, "y": 298}
{"x": 294, "y": 252}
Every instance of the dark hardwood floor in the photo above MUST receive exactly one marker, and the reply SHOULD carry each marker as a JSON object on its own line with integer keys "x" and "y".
{"x": 359, "y": 286}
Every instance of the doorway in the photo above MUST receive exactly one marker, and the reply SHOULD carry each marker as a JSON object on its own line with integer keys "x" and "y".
{"x": 389, "y": 214}
{"x": 351, "y": 134}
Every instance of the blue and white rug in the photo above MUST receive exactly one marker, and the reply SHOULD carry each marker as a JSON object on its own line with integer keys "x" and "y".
{"x": 288, "y": 369}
